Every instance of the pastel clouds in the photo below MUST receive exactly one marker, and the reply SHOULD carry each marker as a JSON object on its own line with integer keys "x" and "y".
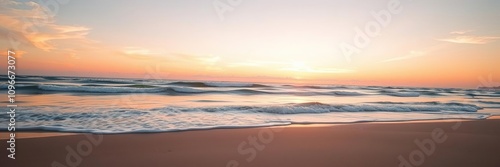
{"x": 412, "y": 54}
{"x": 31, "y": 24}
{"x": 461, "y": 37}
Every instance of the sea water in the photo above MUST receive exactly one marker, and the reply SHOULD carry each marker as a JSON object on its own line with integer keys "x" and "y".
{"x": 74, "y": 104}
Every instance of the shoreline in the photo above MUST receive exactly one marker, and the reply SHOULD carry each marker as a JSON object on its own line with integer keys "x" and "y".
{"x": 40, "y": 134}
{"x": 458, "y": 143}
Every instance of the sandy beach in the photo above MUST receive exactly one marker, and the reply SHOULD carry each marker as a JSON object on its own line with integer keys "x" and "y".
{"x": 434, "y": 143}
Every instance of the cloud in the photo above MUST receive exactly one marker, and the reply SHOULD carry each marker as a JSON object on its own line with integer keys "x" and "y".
{"x": 74, "y": 56}
{"x": 460, "y": 32}
{"x": 30, "y": 23}
{"x": 319, "y": 70}
{"x": 462, "y": 38}
{"x": 257, "y": 63}
{"x": 207, "y": 62}
{"x": 142, "y": 53}
{"x": 245, "y": 64}
{"x": 301, "y": 67}
{"x": 289, "y": 66}
{"x": 138, "y": 52}
{"x": 412, "y": 54}
{"x": 201, "y": 59}
{"x": 18, "y": 53}
{"x": 471, "y": 39}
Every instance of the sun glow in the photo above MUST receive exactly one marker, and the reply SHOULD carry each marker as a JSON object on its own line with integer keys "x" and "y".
{"x": 282, "y": 44}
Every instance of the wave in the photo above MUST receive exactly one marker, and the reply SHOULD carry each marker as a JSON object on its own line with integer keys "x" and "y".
{"x": 102, "y": 85}
{"x": 31, "y": 79}
{"x": 346, "y": 93}
{"x": 429, "y": 93}
{"x": 316, "y": 107}
{"x": 128, "y": 120}
{"x": 488, "y": 102}
{"x": 197, "y": 91}
{"x": 400, "y": 93}
{"x": 404, "y": 94}
{"x": 482, "y": 94}
{"x": 95, "y": 89}
{"x": 387, "y": 107}
{"x": 216, "y": 84}
{"x": 136, "y": 88}
{"x": 178, "y": 90}
{"x": 323, "y": 87}
{"x": 5, "y": 86}
{"x": 140, "y": 131}
{"x": 140, "y": 86}
{"x": 187, "y": 90}
{"x": 102, "y": 80}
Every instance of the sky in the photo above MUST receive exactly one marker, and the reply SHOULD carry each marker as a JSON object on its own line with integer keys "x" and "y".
{"x": 447, "y": 43}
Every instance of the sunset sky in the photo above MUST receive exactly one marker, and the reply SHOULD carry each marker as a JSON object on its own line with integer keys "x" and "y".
{"x": 447, "y": 43}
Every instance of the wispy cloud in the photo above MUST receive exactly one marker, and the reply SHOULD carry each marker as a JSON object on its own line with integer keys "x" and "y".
{"x": 139, "y": 52}
{"x": 209, "y": 60}
{"x": 18, "y": 53}
{"x": 201, "y": 59}
{"x": 206, "y": 62}
{"x": 471, "y": 39}
{"x": 32, "y": 25}
{"x": 301, "y": 67}
{"x": 412, "y": 54}
{"x": 462, "y": 38}
{"x": 460, "y": 32}
{"x": 289, "y": 66}
{"x": 318, "y": 70}
{"x": 245, "y": 64}
{"x": 257, "y": 63}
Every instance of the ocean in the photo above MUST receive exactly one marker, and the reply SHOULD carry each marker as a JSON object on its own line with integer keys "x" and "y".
{"x": 98, "y": 105}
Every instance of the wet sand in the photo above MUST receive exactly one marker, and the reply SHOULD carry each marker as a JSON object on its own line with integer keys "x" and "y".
{"x": 433, "y": 143}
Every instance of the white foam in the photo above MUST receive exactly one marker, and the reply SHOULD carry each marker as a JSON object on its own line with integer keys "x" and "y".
{"x": 404, "y": 94}
{"x": 297, "y": 109}
{"x": 227, "y": 84}
{"x": 187, "y": 90}
{"x": 5, "y": 86}
{"x": 345, "y": 93}
{"x": 179, "y": 119}
{"x": 96, "y": 89}
{"x": 104, "y": 80}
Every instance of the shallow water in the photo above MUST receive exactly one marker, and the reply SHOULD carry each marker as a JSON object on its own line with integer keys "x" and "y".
{"x": 74, "y": 104}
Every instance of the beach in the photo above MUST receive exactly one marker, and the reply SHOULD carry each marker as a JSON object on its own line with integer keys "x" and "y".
{"x": 231, "y": 83}
{"x": 423, "y": 143}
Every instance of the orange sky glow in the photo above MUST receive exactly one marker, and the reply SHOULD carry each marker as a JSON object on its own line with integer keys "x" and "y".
{"x": 423, "y": 44}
